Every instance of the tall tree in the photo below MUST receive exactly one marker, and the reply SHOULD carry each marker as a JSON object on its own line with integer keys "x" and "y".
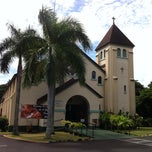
{"x": 13, "y": 47}
{"x": 144, "y": 102}
{"x": 150, "y": 85}
{"x": 2, "y": 89}
{"x": 138, "y": 88}
{"x": 63, "y": 42}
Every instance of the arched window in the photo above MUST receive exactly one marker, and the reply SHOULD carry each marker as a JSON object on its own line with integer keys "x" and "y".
{"x": 99, "y": 80}
{"x": 125, "y": 89}
{"x": 101, "y": 55}
{"x": 124, "y": 53}
{"x": 118, "y": 52}
{"x": 93, "y": 75}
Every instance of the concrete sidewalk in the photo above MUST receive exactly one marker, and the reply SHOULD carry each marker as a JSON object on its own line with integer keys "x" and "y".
{"x": 105, "y": 134}
{"x": 99, "y": 134}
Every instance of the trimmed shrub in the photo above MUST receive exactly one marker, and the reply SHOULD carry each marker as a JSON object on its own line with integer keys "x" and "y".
{"x": 115, "y": 122}
{"x": 147, "y": 122}
{"x": 104, "y": 120}
{"x": 137, "y": 121}
{"x": 3, "y": 124}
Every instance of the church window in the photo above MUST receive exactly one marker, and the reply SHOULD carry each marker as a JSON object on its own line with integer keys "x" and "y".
{"x": 118, "y": 52}
{"x": 93, "y": 75}
{"x": 125, "y": 89}
{"x": 101, "y": 55}
{"x": 99, "y": 80}
{"x": 124, "y": 53}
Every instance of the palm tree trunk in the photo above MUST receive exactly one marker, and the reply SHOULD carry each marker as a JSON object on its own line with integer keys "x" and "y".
{"x": 50, "y": 103}
{"x": 17, "y": 101}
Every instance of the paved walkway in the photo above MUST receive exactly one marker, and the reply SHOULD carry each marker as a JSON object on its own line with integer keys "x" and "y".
{"x": 99, "y": 134}
{"x": 105, "y": 134}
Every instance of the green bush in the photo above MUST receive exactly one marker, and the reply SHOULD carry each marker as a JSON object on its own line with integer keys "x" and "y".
{"x": 147, "y": 122}
{"x": 73, "y": 127}
{"x": 115, "y": 122}
{"x": 3, "y": 124}
{"x": 105, "y": 120}
{"x": 71, "y": 124}
{"x": 124, "y": 122}
{"x": 137, "y": 121}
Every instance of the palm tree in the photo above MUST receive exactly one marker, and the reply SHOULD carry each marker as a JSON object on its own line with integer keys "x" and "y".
{"x": 62, "y": 44}
{"x": 13, "y": 47}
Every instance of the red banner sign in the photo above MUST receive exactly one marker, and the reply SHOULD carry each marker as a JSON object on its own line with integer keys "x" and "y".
{"x": 34, "y": 111}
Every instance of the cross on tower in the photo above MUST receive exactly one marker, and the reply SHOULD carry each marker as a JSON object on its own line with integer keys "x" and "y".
{"x": 113, "y": 20}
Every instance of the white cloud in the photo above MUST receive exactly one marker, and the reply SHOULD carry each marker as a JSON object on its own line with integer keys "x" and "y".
{"x": 133, "y": 17}
{"x": 21, "y": 14}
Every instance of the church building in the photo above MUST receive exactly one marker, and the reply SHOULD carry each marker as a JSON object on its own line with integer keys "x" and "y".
{"x": 109, "y": 87}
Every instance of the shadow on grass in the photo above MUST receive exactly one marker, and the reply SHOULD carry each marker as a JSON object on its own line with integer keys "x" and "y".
{"x": 40, "y": 137}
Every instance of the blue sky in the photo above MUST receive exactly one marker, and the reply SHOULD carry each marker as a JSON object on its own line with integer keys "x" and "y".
{"x": 133, "y": 17}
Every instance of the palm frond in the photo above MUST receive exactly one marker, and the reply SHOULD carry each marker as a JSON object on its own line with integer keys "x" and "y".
{"x": 48, "y": 20}
{"x": 30, "y": 31}
{"x": 5, "y": 61}
{"x": 47, "y": 15}
{"x": 34, "y": 70}
{"x": 30, "y": 43}
{"x": 71, "y": 30}
{"x": 14, "y": 31}
{"x": 6, "y": 44}
{"x": 61, "y": 65}
{"x": 74, "y": 58}
{"x": 72, "y": 23}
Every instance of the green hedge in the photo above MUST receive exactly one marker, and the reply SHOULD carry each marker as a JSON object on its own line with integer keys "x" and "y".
{"x": 120, "y": 121}
{"x": 3, "y": 124}
{"x": 30, "y": 129}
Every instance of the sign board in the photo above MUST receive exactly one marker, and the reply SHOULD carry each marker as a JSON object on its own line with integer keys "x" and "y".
{"x": 58, "y": 103}
{"x": 29, "y": 111}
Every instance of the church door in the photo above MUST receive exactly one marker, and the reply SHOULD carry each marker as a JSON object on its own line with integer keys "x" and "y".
{"x": 77, "y": 109}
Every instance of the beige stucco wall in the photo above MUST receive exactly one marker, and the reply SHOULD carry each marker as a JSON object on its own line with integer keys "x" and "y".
{"x": 74, "y": 90}
{"x": 116, "y": 78}
{"x": 30, "y": 96}
{"x": 94, "y": 83}
{"x": 61, "y": 100}
{"x": 113, "y": 99}
{"x": 7, "y": 105}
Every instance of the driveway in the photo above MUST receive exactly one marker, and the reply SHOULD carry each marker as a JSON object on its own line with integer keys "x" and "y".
{"x": 107, "y": 145}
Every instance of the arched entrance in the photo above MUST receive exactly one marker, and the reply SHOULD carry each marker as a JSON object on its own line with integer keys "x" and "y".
{"x": 77, "y": 109}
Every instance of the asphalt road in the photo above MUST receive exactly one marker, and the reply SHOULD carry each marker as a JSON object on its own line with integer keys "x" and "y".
{"x": 122, "y": 145}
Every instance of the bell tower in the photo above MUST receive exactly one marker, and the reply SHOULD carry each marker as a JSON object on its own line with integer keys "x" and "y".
{"x": 115, "y": 55}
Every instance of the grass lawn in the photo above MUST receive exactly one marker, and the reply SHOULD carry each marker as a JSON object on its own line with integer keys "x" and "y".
{"x": 40, "y": 137}
{"x": 64, "y": 136}
{"x": 143, "y": 131}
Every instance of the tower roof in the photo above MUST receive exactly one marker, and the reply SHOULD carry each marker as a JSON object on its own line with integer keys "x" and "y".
{"x": 114, "y": 36}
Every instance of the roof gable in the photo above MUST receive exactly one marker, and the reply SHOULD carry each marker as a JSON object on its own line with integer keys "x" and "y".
{"x": 66, "y": 85}
{"x": 93, "y": 62}
{"x": 114, "y": 36}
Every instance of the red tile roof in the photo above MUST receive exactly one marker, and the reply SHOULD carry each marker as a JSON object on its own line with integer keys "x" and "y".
{"x": 114, "y": 36}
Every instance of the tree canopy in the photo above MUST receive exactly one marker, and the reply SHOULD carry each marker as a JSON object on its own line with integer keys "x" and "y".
{"x": 144, "y": 102}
